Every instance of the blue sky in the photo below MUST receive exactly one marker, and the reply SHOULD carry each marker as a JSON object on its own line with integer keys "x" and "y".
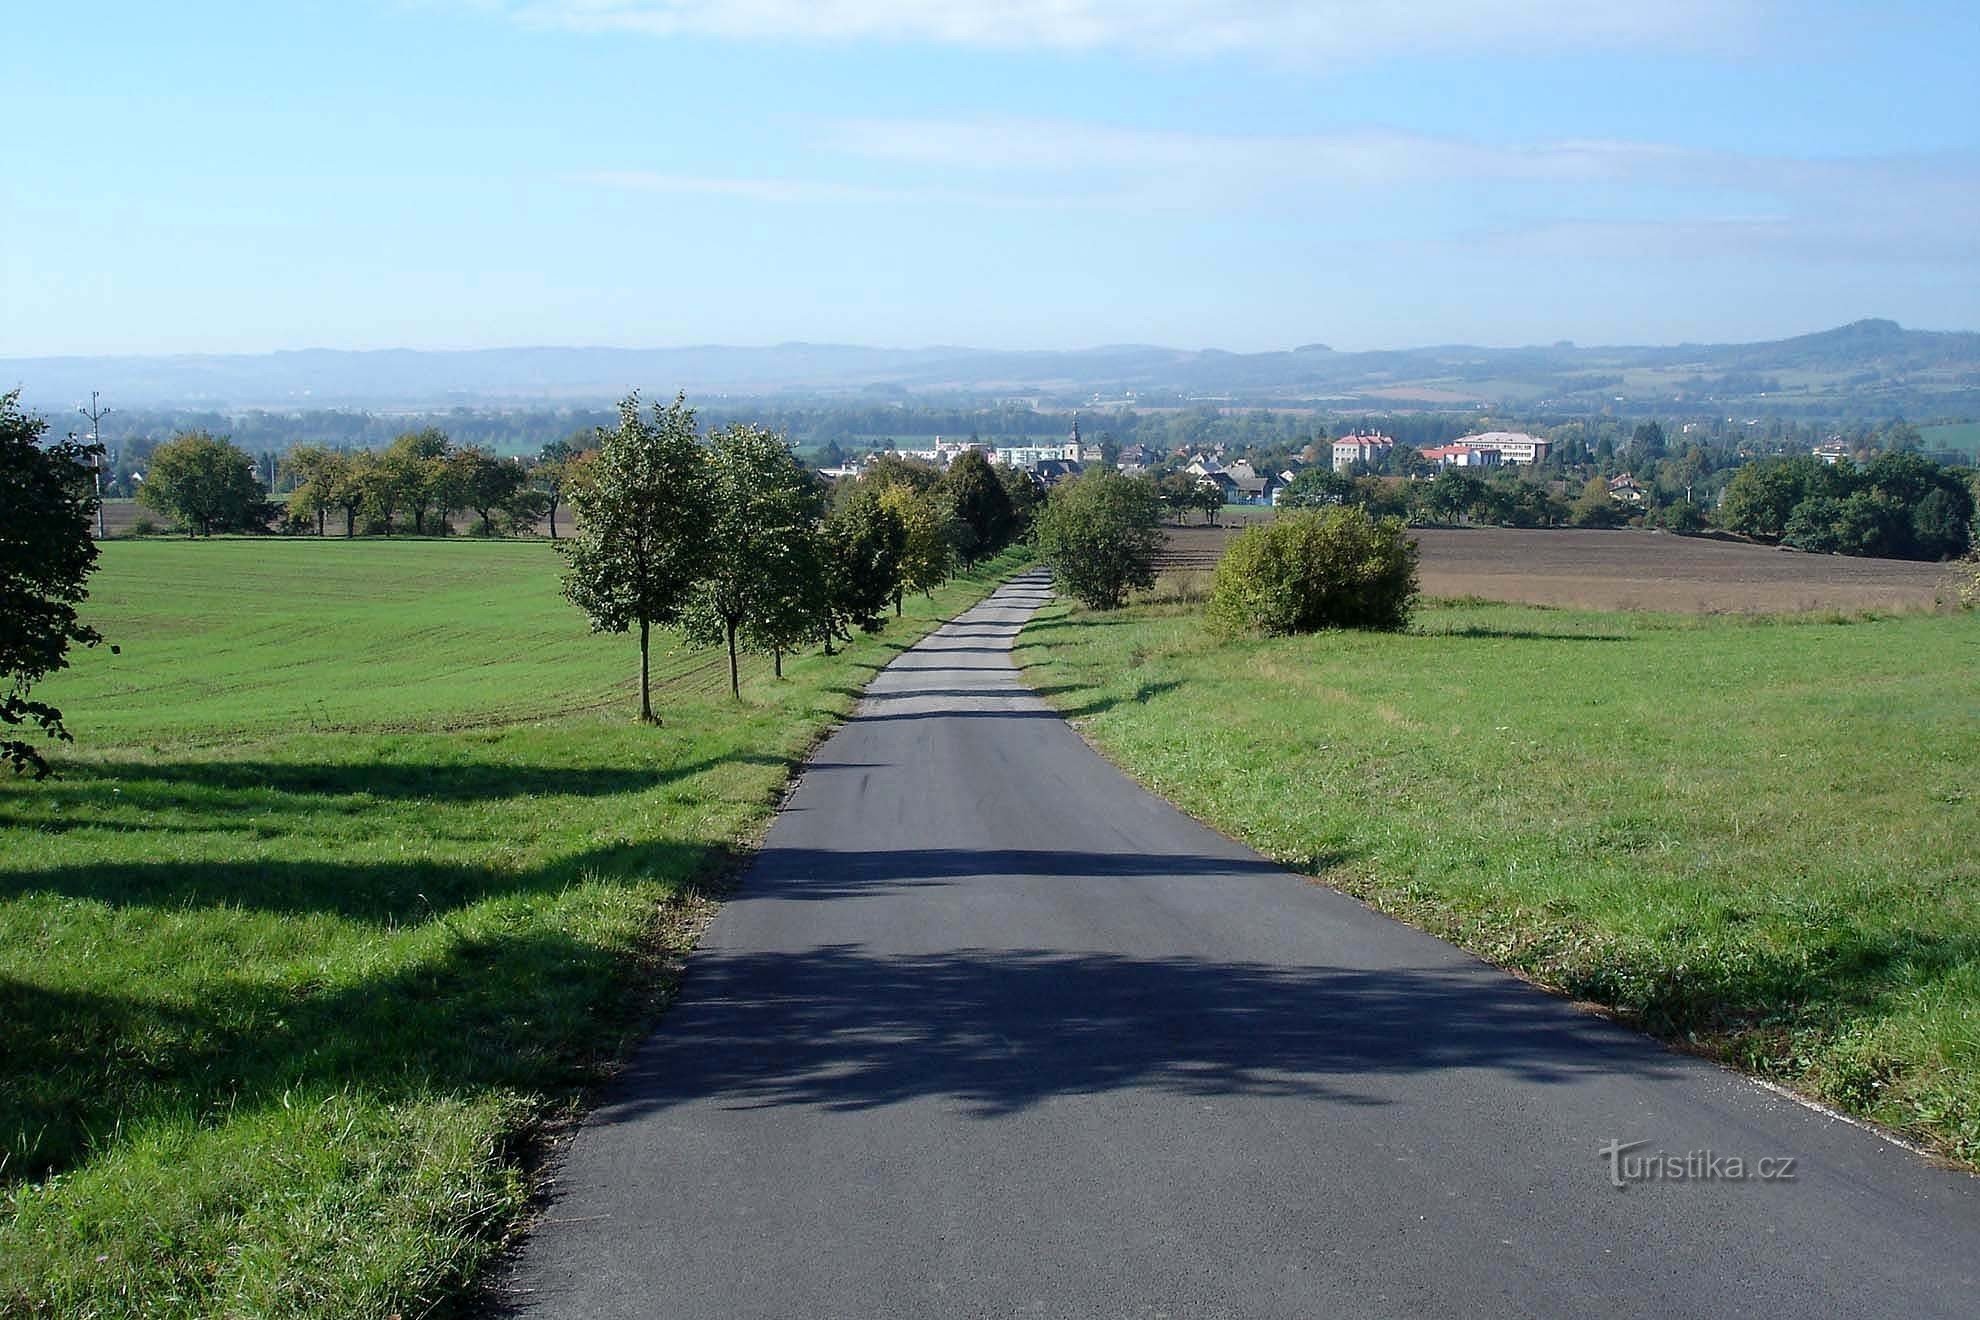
{"x": 1242, "y": 174}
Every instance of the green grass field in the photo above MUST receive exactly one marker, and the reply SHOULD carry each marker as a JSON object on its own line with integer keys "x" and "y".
{"x": 1963, "y": 437}
{"x": 358, "y": 871}
{"x": 1760, "y": 837}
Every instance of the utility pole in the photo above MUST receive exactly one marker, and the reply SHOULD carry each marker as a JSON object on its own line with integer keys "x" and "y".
{"x": 96, "y": 415}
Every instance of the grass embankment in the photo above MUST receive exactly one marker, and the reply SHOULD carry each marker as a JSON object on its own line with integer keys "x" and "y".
{"x": 1759, "y": 836}
{"x": 358, "y": 870}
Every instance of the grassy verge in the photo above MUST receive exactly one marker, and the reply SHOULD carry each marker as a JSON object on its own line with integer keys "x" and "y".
{"x": 358, "y": 870}
{"x": 1758, "y": 837}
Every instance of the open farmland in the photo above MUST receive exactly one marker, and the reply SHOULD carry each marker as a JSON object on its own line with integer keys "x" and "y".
{"x": 1628, "y": 570}
{"x": 358, "y": 871}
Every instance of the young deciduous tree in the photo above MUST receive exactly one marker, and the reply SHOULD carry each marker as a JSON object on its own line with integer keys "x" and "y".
{"x": 927, "y": 545}
{"x": 1177, "y": 492}
{"x": 1025, "y": 495}
{"x": 206, "y": 484}
{"x": 318, "y": 471}
{"x": 1100, "y": 534}
{"x": 1452, "y": 493}
{"x": 488, "y": 485}
{"x": 642, "y": 527}
{"x": 376, "y": 486}
{"x": 1596, "y": 507}
{"x": 554, "y": 469}
{"x": 762, "y": 578}
{"x": 796, "y": 594}
{"x": 864, "y": 541}
{"x": 1317, "y": 488}
{"x": 416, "y": 463}
{"x": 981, "y": 503}
{"x": 47, "y": 502}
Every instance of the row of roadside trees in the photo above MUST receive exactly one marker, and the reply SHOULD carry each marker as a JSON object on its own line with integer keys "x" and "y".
{"x": 734, "y": 543}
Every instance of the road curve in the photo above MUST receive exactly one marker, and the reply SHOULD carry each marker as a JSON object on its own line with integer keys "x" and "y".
{"x": 989, "y": 1031}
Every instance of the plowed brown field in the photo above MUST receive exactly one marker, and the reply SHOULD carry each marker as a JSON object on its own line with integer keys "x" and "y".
{"x": 1630, "y": 570}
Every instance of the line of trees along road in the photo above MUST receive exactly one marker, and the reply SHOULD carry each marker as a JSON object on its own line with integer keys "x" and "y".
{"x": 736, "y": 544}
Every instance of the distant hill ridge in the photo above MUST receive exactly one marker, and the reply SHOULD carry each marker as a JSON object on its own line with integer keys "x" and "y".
{"x": 1874, "y": 363}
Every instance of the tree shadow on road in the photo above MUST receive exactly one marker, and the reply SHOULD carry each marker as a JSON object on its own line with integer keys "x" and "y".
{"x": 840, "y": 1028}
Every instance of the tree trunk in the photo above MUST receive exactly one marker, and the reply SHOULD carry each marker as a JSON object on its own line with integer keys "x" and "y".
{"x": 897, "y": 604}
{"x": 645, "y": 690}
{"x": 777, "y": 661}
{"x": 553, "y": 520}
{"x": 735, "y": 679}
{"x": 322, "y": 516}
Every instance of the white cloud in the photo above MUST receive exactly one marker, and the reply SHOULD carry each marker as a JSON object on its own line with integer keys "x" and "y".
{"x": 1277, "y": 29}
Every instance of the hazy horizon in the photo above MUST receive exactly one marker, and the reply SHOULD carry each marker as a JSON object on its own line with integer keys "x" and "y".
{"x": 951, "y": 346}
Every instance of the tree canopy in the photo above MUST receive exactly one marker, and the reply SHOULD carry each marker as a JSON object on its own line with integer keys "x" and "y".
{"x": 981, "y": 503}
{"x": 864, "y": 542}
{"x": 762, "y": 572}
{"x": 47, "y": 500}
{"x": 206, "y": 485}
{"x": 1900, "y": 505}
{"x": 642, "y": 527}
{"x": 1100, "y": 533}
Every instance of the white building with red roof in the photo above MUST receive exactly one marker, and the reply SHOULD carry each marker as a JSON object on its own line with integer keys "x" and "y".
{"x": 1464, "y": 456}
{"x": 1358, "y": 448}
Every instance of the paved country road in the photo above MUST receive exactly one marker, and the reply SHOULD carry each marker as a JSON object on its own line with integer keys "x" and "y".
{"x": 989, "y": 1031}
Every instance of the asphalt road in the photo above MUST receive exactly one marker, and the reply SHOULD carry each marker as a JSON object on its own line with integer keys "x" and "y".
{"x": 989, "y": 1031}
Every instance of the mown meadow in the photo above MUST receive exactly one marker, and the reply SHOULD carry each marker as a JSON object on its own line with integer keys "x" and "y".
{"x": 358, "y": 873}
{"x": 1758, "y": 837}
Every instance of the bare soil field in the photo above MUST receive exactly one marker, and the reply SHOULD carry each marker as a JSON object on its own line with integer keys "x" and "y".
{"x": 1629, "y": 570}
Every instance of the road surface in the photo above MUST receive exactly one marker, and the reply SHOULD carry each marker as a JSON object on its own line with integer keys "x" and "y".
{"x": 989, "y": 1031}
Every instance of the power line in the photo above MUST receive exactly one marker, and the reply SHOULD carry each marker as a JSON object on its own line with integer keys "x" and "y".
{"x": 96, "y": 415}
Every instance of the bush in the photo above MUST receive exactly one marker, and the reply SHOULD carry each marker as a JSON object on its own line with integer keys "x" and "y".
{"x": 1100, "y": 534}
{"x": 1966, "y": 582}
{"x": 1313, "y": 569}
{"x": 1681, "y": 516}
{"x": 144, "y": 525}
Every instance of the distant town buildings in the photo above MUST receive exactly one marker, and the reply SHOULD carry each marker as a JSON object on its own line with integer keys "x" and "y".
{"x": 1464, "y": 456}
{"x": 1358, "y": 448}
{"x": 1626, "y": 489}
{"x": 945, "y": 452}
{"x": 1513, "y": 446}
{"x": 1029, "y": 457}
{"x": 1073, "y": 452}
